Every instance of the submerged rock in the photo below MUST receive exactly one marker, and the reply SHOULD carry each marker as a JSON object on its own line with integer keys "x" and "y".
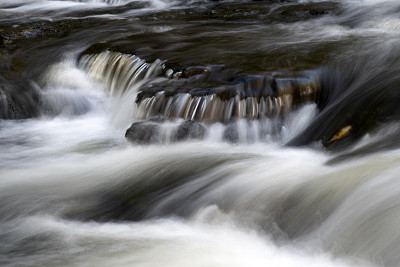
{"x": 231, "y": 133}
{"x": 189, "y": 130}
{"x": 153, "y": 131}
{"x": 13, "y": 37}
{"x": 266, "y": 11}
{"x": 349, "y": 110}
{"x": 18, "y": 96}
{"x": 304, "y": 11}
{"x": 143, "y": 132}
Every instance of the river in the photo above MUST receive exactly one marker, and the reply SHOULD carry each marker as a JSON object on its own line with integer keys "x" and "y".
{"x": 199, "y": 133}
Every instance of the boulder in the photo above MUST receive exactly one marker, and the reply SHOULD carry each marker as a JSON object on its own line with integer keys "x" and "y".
{"x": 189, "y": 130}
{"x": 143, "y": 132}
{"x": 231, "y": 133}
{"x": 151, "y": 131}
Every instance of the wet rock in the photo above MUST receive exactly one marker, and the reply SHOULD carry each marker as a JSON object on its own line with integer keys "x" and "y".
{"x": 193, "y": 71}
{"x": 197, "y": 81}
{"x": 226, "y": 84}
{"x": 267, "y": 12}
{"x": 13, "y": 37}
{"x": 19, "y": 98}
{"x": 152, "y": 131}
{"x": 6, "y": 106}
{"x": 143, "y": 132}
{"x": 349, "y": 110}
{"x": 244, "y": 11}
{"x": 299, "y": 12}
{"x": 231, "y": 133}
{"x": 189, "y": 130}
{"x": 203, "y": 94}
{"x": 223, "y": 98}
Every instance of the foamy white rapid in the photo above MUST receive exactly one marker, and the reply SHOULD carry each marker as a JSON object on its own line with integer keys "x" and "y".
{"x": 169, "y": 242}
{"x": 60, "y": 159}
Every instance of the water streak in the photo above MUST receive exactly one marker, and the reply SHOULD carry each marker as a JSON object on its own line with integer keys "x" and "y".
{"x": 255, "y": 99}
{"x": 118, "y": 72}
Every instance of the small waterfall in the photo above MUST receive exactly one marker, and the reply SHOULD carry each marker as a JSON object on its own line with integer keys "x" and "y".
{"x": 117, "y": 72}
{"x": 250, "y": 97}
{"x": 211, "y": 108}
{"x": 258, "y": 98}
{"x": 5, "y": 104}
{"x": 174, "y": 109}
{"x": 254, "y": 109}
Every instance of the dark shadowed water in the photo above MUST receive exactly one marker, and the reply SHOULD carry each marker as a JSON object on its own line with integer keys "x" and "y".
{"x": 261, "y": 133}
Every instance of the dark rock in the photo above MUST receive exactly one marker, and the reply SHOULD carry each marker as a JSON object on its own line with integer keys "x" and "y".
{"x": 18, "y": 97}
{"x": 352, "y": 96}
{"x": 13, "y": 37}
{"x": 150, "y": 131}
{"x": 231, "y": 133}
{"x": 190, "y": 130}
{"x": 300, "y": 12}
{"x": 143, "y": 132}
{"x": 224, "y": 98}
{"x": 192, "y": 71}
{"x": 303, "y": 86}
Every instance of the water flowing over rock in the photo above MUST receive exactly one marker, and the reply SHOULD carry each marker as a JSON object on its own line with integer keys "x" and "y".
{"x": 143, "y": 132}
{"x": 291, "y": 12}
{"x": 154, "y": 131}
{"x": 18, "y": 100}
{"x": 193, "y": 93}
{"x": 161, "y": 133}
{"x": 190, "y": 130}
{"x": 117, "y": 71}
{"x": 374, "y": 103}
{"x": 250, "y": 97}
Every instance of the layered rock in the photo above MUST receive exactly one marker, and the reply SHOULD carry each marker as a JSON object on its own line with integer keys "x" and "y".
{"x": 251, "y": 97}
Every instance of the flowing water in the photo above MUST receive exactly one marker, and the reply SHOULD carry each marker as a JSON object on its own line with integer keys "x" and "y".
{"x": 264, "y": 133}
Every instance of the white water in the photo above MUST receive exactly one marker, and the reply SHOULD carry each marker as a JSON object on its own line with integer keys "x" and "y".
{"x": 57, "y": 159}
{"x": 52, "y": 10}
{"x": 168, "y": 242}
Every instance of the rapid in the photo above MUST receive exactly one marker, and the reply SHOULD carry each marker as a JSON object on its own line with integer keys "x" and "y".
{"x": 199, "y": 133}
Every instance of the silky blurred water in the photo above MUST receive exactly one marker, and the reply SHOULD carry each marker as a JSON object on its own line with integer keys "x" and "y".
{"x": 75, "y": 192}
